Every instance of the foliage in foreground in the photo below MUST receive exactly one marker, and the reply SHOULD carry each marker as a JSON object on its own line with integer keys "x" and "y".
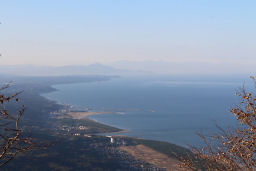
{"x": 231, "y": 149}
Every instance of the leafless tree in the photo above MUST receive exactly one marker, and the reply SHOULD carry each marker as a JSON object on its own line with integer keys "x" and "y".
{"x": 12, "y": 140}
{"x": 231, "y": 149}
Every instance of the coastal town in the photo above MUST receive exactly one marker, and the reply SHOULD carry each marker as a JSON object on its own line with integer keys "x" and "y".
{"x": 72, "y": 122}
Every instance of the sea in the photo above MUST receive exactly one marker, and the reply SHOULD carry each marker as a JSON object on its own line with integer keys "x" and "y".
{"x": 159, "y": 109}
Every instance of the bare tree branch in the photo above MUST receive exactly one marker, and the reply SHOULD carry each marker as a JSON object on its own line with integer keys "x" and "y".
{"x": 12, "y": 141}
{"x": 231, "y": 149}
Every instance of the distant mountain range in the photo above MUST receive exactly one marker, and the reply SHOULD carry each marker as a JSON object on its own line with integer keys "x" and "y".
{"x": 133, "y": 68}
{"x": 30, "y": 70}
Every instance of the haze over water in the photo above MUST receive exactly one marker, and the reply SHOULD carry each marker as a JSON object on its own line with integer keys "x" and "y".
{"x": 160, "y": 110}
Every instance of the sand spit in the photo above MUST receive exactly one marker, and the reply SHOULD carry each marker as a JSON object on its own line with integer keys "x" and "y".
{"x": 82, "y": 115}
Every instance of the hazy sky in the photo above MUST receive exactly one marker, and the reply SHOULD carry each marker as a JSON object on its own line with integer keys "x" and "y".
{"x": 63, "y": 32}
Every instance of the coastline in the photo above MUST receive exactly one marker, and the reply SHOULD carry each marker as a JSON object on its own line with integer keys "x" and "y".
{"x": 99, "y": 116}
{"x": 77, "y": 115}
{"x": 75, "y": 128}
{"x": 83, "y": 115}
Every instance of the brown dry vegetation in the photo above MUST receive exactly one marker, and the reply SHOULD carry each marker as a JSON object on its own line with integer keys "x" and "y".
{"x": 232, "y": 149}
{"x": 151, "y": 156}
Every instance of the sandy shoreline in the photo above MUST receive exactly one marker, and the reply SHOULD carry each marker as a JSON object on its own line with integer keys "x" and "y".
{"x": 82, "y": 115}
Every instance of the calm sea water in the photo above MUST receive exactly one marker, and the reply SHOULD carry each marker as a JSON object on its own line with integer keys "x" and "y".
{"x": 170, "y": 111}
